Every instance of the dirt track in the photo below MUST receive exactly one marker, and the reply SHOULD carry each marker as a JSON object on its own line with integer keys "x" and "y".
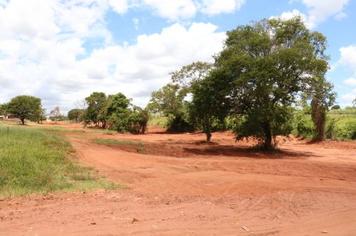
{"x": 191, "y": 188}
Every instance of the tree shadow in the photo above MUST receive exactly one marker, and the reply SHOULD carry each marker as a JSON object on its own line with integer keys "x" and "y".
{"x": 247, "y": 152}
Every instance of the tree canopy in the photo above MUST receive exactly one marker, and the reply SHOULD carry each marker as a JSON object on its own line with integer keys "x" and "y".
{"x": 267, "y": 65}
{"x": 114, "y": 112}
{"x": 76, "y": 114}
{"x": 26, "y": 107}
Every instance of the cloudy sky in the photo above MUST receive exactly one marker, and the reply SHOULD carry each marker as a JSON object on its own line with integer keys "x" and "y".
{"x": 62, "y": 50}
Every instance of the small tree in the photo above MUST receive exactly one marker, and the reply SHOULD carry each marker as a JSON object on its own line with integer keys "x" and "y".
{"x": 138, "y": 119}
{"x": 95, "y": 112}
{"x": 169, "y": 101}
{"x": 56, "y": 115}
{"x": 25, "y": 107}
{"x": 117, "y": 112}
{"x": 209, "y": 103}
{"x": 76, "y": 115}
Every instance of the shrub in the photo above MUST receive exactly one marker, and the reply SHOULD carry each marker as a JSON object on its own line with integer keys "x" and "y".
{"x": 346, "y": 129}
{"x": 179, "y": 124}
{"x": 303, "y": 125}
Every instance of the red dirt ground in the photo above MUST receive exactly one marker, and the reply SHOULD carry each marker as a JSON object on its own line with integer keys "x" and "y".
{"x": 192, "y": 188}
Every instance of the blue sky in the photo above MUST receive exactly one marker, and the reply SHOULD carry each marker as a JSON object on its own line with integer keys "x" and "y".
{"x": 67, "y": 49}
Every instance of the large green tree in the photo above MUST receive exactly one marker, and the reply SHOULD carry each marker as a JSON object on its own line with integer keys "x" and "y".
{"x": 267, "y": 65}
{"x": 25, "y": 107}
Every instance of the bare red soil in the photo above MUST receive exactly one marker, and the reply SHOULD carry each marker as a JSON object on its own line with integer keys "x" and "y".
{"x": 179, "y": 185}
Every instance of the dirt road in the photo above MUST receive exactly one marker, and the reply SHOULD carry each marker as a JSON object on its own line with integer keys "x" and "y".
{"x": 192, "y": 188}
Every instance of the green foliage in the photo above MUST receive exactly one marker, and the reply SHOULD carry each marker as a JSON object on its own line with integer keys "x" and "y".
{"x": 303, "y": 125}
{"x": 25, "y": 107}
{"x": 34, "y": 160}
{"x": 169, "y": 102}
{"x": 209, "y": 105}
{"x": 157, "y": 120}
{"x": 179, "y": 124}
{"x": 115, "y": 112}
{"x": 3, "y": 109}
{"x": 340, "y": 124}
{"x": 137, "y": 122}
{"x": 186, "y": 76}
{"x": 335, "y": 107}
{"x": 76, "y": 115}
{"x": 345, "y": 129}
{"x": 95, "y": 112}
{"x": 264, "y": 66}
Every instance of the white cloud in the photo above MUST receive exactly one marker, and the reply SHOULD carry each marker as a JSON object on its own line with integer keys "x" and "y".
{"x": 348, "y": 57}
{"x": 320, "y": 10}
{"x": 45, "y": 55}
{"x": 317, "y": 11}
{"x": 119, "y": 6}
{"x": 44, "y": 52}
{"x": 351, "y": 82}
{"x": 214, "y": 7}
{"x": 287, "y": 15}
{"x": 348, "y": 60}
{"x": 173, "y": 9}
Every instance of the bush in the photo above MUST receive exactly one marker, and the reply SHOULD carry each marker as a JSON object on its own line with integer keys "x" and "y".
{"x": 137, "y": 122}
{"x": 303, "y": 125}
{"x": 179, "y": 124}
{"x": 346, "y": 129}
{"x": 330, "y": 131}
{"x": 129, "y": 121}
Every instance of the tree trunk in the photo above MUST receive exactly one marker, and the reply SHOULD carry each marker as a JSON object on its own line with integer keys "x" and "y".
{"x": 208, "y": 136}
{"x": 22, "y": 121}
{"x": 319, "y": 118}
{"x": 267, "y": 145}
{"x": 207, "y": 130}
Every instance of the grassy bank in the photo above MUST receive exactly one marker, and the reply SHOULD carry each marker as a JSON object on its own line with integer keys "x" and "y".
{"x": 38, "y": 161}
{"x": 136, "y": 145}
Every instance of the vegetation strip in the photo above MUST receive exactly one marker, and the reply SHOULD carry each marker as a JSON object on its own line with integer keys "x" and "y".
{"x": 36, "y": 161}
{"x": 139, "y": 146}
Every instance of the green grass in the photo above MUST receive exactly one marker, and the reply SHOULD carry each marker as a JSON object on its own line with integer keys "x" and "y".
{"x": 34, "y": 160}
{"x": 160, "y": 121}
{"x": 340, "y": 125}
{"x": 139, "y": 146}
